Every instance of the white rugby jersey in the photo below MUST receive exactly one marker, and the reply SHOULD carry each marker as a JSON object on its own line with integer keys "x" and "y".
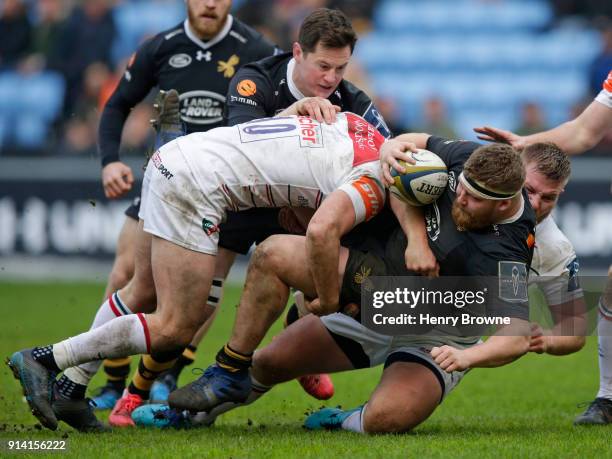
{"x": 554, "y": 265}
{"x": 605, "y": 95}
{"x": 289, "y": 161}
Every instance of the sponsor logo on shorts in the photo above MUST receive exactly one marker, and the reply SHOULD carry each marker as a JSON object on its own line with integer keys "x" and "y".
{"x": 361, "y": 277}
{"x": 209, "y": 227}
{"x": 246, "y": 88}
{"x": 180, "y": 60}
{"x": 157, "y": 162}
{"x": 201, "y": 107}
{"x": 310, "y": 132}
{"x": 228, "y": 67}
{"x": 512, "y": 281}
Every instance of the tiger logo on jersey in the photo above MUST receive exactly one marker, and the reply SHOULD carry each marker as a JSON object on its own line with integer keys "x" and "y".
{"x": 228, "y": 68}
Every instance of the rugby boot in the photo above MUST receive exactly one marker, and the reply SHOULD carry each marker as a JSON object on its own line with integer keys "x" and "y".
{"x": 106, "y": 397}
{"x": 599, "y": 412}
{"x": 213, "y": 388}
{"x": 121, "y": 416}
{"x": 77, "y": 413}
{"x": 167, "y": 122}
{"x": 162, "y": 387}
{"x": 328, "y": 418}
{"x": 319, "y": 386}
{"x": 37, "y": 383}
{"x": 161, "y": 416}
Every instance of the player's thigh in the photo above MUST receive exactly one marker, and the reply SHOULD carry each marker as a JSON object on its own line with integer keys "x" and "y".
{"x": 287, "y": 257}
{"x": 305, "y": 347}
{"x": 407, "y": 394}
{"x": 182, "y": 282}
{"x": 223, "y": 264}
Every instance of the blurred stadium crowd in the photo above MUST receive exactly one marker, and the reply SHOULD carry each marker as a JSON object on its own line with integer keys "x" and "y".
{"x": 440, "y": 66}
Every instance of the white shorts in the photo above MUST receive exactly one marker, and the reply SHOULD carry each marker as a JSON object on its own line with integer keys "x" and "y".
{"x": 365, "y": 347}
{"x": 174, "y": 208}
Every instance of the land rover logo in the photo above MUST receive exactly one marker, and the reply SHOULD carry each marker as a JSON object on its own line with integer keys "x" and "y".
{"x": 202, "y": 107}
{"x": 180, "y": 60}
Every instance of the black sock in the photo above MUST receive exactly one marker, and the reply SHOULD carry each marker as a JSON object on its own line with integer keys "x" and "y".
{"x": 70, "y": 389}
{"x": 186, "y": 358}
{"x": 117, "y": 385}
{"x": 292, "y": 315}
{"x": 44, "y": 356}
{"x": 233, "y": 361}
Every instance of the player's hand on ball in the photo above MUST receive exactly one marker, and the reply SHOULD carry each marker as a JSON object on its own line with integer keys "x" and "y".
{"x": 450, "y": 359}
{"x": 391, "y": 153}
{"x": 318, "y": 108}
{"x": 117, "y": 179}
{"x": 420, "y": 259}
{"x": 492, "y": 134}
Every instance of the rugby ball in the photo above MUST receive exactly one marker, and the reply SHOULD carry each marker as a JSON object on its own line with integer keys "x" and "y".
{"x": 423, "y": 182}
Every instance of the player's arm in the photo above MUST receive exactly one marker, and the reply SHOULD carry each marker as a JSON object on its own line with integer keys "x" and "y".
{"x": 331, "y": 221}
{"x": 248, "y": 96}
{"x": 117, "y": 177}
{"x": 508, "y": 344}
{"x": 419, "y": 257}
{"x": 573, "y": 137}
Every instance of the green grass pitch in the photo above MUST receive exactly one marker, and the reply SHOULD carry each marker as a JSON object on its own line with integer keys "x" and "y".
{"x": 522, "y": 410}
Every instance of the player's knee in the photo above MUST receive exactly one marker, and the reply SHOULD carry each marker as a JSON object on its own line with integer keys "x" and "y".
{"x": 267, "y": 366}
{"x": 391, "y": 417}
{"x": 267, "y": 256}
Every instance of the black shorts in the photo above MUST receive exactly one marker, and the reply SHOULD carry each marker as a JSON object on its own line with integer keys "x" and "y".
{"x": 243, "y": 229}
{"x": 359, "y": 267}
{"x": 133, "y": 209}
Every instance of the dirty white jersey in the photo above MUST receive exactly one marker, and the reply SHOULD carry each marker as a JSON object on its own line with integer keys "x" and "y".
{"x": 289, "y": 161}
{"x": 605, "y": 95}
{"x": 554, "y": 265}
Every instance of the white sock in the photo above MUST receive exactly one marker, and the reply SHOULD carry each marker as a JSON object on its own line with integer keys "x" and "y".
{"x": 354, "y": 422}
{"x": 113, "y": 307}
{"x": 604, "y": 340}
{"x": 120, "y": 337}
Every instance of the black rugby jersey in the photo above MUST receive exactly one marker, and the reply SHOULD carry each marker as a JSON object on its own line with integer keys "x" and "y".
{"x": 177, "y": 59}
{"x": 500, "y": 250}
{"x": 262, "y": 89}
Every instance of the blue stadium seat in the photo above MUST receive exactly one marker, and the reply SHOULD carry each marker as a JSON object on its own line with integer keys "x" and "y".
{"x": 30, "y": 130}
{"x": 137, "y": 20}
{"x": 42, "y": 95}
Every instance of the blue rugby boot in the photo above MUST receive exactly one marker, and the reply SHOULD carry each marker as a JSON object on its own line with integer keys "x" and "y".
{"x": 161, "y": 416}
{"x": 214, "y": 387}
{"x": 106, "y": 397}
{"x": 328, "y": 418}
{"x": 37, "y": 383}
{"x": 162, "y": 387}
{"x": 599, "y": 412}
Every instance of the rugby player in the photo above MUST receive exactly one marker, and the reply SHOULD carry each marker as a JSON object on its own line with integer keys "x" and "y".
{"x": 198, "y": 58}
{"x": 481, "y": 226}
{"x": 308, "y": 80}
{"x": 189, "y": 185}
{"x": 575, "y": 137}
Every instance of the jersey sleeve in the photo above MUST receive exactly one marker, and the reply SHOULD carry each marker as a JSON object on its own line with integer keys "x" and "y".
{"x": 506, "y": 281}
{"x": 247, "y": 96}
{"x": 453, "y": 152}
{"x": 366, "y": 191}
{"x": 137, "y": 81}
{"x": 563, "y": 286}
{"x": 605, "y": 96}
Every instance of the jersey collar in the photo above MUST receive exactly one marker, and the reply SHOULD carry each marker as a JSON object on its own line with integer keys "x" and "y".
{"x": 293, "y": 89}
{"x": 214, "y": 40}
{"x": 517, "y": 215}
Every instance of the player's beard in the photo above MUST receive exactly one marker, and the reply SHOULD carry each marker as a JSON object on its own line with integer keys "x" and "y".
{"x": 468, "y": 222}
{"x": 207, "y": 29}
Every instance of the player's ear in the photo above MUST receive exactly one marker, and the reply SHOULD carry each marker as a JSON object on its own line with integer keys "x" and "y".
{"x": 297, "y": 51}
